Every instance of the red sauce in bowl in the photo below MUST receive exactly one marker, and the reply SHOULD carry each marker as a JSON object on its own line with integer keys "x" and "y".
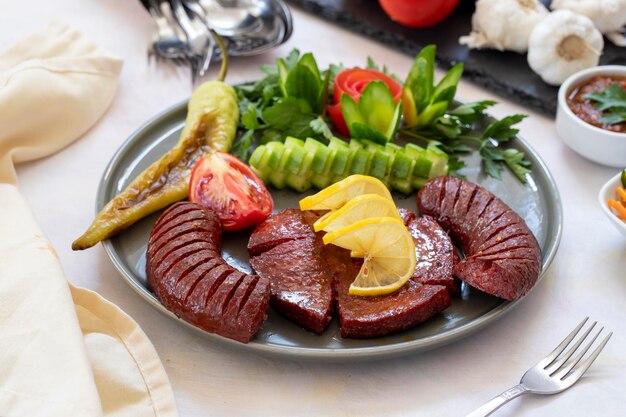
{"x": 584, "y": 108}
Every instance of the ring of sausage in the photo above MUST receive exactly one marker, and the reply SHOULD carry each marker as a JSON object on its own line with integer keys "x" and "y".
{"x": 189, "y": 276}
{"x": 502, "y": 256}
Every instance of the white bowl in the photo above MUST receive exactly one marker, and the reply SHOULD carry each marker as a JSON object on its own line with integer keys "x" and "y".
{"x": 607, "y": 193}
{"x": 599, "y": 145}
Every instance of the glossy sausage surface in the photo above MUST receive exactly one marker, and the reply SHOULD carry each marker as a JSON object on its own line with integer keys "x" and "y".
{"x": 189, "y": 276}
{"x": 502, "y": 256}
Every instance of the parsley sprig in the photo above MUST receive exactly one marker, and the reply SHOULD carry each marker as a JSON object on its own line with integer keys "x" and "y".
{"x": 268, "y": 115}
{"x": 611, "y": 102}
{"x": 453, "y": 133}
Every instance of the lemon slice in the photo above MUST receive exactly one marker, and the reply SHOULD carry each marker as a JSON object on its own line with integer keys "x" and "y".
{"x": 388, "y": 251}
{"x": 359, "y": 208}
{"x": 336, "y": 195}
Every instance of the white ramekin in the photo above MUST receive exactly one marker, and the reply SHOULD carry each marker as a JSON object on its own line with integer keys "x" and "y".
{"x": 599, "y": 145}
{"x": 607, "y": 193}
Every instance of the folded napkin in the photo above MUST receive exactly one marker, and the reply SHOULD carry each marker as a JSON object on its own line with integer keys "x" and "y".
{"x": 54, "y": 85}
{"x": 65, "y": 351}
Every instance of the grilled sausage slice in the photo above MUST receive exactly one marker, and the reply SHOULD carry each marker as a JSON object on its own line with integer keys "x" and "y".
{"x": 285, "y": 250}
{"x": 188, "y": 275}
{"x": 308, "y": 278}
{"x": 435, "y": 253}
{"x": 301, "y": 288}
{"x": 279, "y": 228}
{"x": 503, "y": 257}
{"x": 365, "y": 317}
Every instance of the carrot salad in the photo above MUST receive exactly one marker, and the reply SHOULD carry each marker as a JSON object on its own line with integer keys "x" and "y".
{"x": 619, "y": 205}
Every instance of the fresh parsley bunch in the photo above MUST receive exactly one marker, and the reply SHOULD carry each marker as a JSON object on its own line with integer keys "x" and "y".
{"x": 288, "y": 101}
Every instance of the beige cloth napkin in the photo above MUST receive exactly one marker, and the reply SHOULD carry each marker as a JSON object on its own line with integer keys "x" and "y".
{"x": 64, "y": 351}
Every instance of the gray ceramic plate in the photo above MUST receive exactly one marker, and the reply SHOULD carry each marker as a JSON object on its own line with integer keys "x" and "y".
{"x": 538, "y": 202}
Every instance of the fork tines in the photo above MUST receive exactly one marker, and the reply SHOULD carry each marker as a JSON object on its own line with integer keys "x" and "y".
{"x": 559, "y": 364}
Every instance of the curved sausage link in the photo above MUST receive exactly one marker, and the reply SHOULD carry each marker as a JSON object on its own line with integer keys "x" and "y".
{"x": 503, "y": 257}
{"x": 189, "y": 276}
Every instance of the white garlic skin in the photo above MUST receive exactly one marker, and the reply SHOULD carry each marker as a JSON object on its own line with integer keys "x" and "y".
{"x": 504, "y": 24}
{"x": 545, "y": 46}
{"x": 607, "y": 15}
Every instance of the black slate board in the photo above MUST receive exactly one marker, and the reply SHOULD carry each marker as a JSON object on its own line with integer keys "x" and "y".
{"x": 505, "y": 73}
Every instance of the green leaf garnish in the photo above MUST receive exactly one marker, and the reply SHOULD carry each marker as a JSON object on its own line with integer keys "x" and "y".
{"x": 291, "y": 60}
{"x": 454, "y": 165}
{"x": 501, "y": 130}
{"x": 453, "y": 132}
{"x": 517, "y": 162}
{"x": 303, "y": 80}
{"x": 320, "y": 126}
{"x": 250, "y": 119}
{"x": 241, "y": 147}
{"x": 611, "y": 102}
{"x": 491, "y": 157}
{"x": 470, "y": 112}
{"x": 292, "y": 117}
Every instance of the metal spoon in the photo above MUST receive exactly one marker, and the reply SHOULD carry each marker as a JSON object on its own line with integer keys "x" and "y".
{"x": 249, "y": 26}
{"x": 232, "y": 19}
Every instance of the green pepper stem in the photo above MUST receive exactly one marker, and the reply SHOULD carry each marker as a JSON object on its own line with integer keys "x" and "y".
{"x": 224, "y": 67}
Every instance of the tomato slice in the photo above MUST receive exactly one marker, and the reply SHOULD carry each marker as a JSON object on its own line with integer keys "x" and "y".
{"x": 353, "y": 81}
{"x": 228, "y": 186}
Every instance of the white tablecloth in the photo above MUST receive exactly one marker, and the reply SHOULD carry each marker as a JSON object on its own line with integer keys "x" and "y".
{"x": 588, "y": 276}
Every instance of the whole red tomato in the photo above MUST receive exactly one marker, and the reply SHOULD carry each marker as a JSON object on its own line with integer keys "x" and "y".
{"x": 228, "y": 186}
{"x": 418, "y": 13}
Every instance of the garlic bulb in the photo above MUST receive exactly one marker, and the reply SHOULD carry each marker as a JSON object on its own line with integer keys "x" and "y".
{"x": 609, "y": 16}
{"x": 504, "y": 24}
{"x": 563, "y": 43}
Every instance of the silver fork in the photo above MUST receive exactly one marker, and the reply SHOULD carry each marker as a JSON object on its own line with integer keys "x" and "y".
{"x": 199, "y": 39}
{"x": 167, "y": 42}
{"x": 553, "y": 374}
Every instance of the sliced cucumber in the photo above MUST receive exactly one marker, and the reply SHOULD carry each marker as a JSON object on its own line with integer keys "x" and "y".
{"x": 296, "y": 159}
{"x": 275, "y": 154}
{"x": 301, "y": 165}
{"x": 423, "y": 166}
{"x": 320, "y": 159}
{"x": 439, "y": 160}
{"x": 277, "y": 177}
{"x": 360, "y": 162}
{"x": 339, "y": 164}
{"x": 320, "y": 181}
{"x": 403, "y": 186}
{"x": 297, "y": 182}
{"x": 402, "y": 165}
{"x": 380, "y": 161}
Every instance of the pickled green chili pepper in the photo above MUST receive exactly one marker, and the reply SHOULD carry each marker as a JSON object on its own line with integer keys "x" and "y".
{"x": 211, "y": 124}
